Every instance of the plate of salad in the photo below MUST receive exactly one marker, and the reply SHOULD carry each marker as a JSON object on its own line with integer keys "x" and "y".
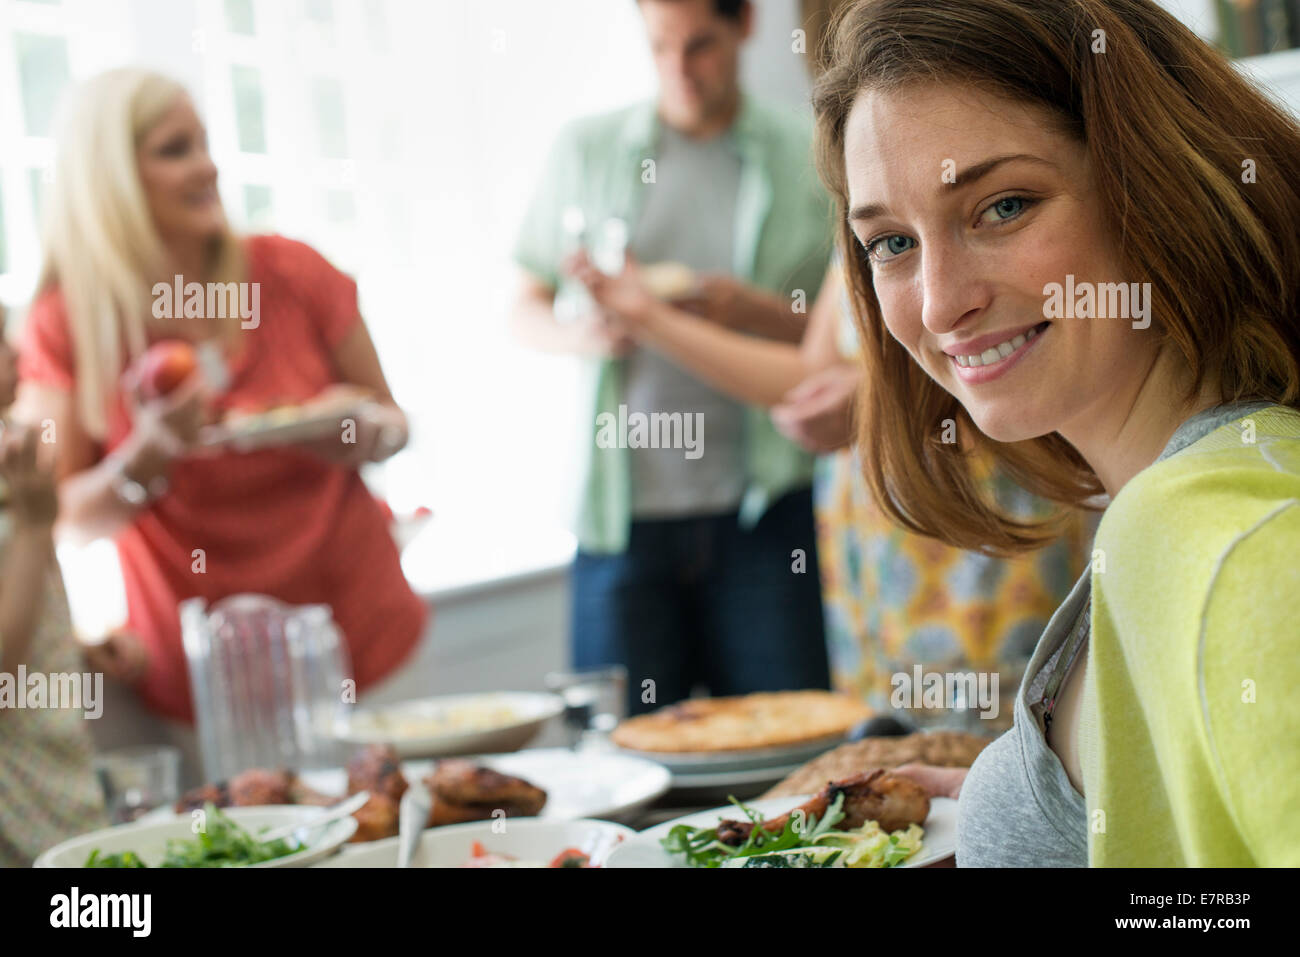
{"x": 734, "y": 836}
{"x": 213, "y": 837}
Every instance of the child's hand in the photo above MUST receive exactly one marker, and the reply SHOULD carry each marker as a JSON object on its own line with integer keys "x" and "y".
{"x": 33, "y": 499}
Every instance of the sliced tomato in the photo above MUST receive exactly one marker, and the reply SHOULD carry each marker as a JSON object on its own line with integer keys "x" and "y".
{"x": 571, "y": 857}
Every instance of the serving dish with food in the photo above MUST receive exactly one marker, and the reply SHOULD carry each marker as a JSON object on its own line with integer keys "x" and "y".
{"x": 453, "y": 724}
{"x": 465, "y": 791}
{"x": 552, "y": 783}
{"x": 219, "y": 838}
{"x": 522, "y": 842}
{"x": 246, "y": 430}
{"x": 940, "y": 748}
{"x": 875, "y": 819}
{"x": 777, "y": 731}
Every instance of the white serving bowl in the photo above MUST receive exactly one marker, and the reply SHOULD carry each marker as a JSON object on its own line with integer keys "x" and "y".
{"x": 148, "y": 839}
{"x": 399, "y": 725}
{"x": 523, "y": 838}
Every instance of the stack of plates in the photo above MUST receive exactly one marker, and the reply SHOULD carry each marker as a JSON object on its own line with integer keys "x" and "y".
{"x": 703, "y": 776}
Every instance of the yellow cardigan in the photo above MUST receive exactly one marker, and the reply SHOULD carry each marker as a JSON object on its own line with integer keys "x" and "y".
{"x": 1190, "y": 729}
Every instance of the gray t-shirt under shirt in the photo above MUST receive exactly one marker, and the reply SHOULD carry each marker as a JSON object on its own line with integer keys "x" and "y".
{"x": 689, "y": 217}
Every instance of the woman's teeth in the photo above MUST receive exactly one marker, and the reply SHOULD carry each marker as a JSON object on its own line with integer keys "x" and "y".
{"x": 997, "y": 353}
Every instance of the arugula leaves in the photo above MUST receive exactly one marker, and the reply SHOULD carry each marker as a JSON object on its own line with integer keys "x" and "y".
{"x": 701, "y": 847}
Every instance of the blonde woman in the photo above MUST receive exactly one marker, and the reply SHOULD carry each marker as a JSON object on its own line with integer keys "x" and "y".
{"x": 134, "y": 204}
{"x": 988, "y": 156}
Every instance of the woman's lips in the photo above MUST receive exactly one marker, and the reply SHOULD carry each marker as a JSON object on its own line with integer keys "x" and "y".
{"x": 987, "y": 372}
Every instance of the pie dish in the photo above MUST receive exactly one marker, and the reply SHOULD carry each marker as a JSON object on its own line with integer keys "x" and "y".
{"x": 778, "y": 719}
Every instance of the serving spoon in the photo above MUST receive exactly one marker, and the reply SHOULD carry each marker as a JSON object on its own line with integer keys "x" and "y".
{"x": 412, "y": 818}
{"x": 335, "y": 813}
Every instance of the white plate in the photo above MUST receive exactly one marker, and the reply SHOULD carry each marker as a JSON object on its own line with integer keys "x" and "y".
{"x": 529, "y": 711}
{"x": 582, "y": 784}
{"x": 285, "y": 427}
{"x": 940, "y": 839}
{"x": 732, "y": 779}
{"x": 148, "y": 839}
{"x": 748, "y": 759}
{"x": 523, "y": 838}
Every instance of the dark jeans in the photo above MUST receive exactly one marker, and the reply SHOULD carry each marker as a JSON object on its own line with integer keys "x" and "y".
{"x": 701, "y": 601}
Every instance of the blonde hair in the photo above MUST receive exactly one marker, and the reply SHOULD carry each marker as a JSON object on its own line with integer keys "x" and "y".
{"x": 100, "y": 243}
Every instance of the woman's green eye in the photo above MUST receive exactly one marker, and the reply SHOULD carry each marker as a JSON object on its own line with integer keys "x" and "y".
{"x": 889, "y": 247}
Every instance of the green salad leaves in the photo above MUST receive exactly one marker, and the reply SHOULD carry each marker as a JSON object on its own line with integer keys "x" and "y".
{"x": 701, "y": 847}
{"x": 223, "y": 844}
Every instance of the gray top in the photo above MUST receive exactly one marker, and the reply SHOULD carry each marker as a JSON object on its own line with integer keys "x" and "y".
{"x": 1017, "y": 808}
{"x": 688, "y": 217}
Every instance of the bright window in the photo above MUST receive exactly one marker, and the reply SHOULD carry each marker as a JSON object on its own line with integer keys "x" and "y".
{"x": 403, "y": 139}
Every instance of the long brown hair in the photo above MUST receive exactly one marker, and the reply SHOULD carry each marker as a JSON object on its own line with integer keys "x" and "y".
{"x": 1169, "y": 126}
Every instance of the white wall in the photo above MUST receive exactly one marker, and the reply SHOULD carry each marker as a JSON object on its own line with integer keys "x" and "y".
{"x": 770, "y": 69}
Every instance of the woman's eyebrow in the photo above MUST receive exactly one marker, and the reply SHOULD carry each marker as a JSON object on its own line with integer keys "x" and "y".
{"x": 980, "y": 170}
{"x": 971, "y": 175}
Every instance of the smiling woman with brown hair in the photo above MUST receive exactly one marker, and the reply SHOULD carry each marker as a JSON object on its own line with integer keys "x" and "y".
{"x": 984, "y": 152}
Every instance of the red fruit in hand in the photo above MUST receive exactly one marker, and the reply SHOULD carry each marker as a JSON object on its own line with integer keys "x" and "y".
{"x": 164, "y": 366}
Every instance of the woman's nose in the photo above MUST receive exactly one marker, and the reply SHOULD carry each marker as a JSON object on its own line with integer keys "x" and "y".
{"x": 204, "y": 165}
{"x": 951, "y": 287}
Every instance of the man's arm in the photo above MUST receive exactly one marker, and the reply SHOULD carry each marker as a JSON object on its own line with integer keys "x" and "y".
{"x": 735, "y": 304}
{"x": 533, "y": 321}
{"x": 753, "y": 370}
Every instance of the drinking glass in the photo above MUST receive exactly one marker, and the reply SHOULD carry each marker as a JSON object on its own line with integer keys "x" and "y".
{"x": 137, "y": 780}
{"x": 595, "y": 701}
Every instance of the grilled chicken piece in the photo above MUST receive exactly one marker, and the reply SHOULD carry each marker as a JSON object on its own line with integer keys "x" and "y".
{"x": 251, "y": 788}
{"x": 464, "y": 791}
{"x": 460, "y": 782}
{"x": 446, "y": 812}
{"x": 376, "y": 768}
{"x": 891, "y": 801}
{"x": 376, "y": 819}
{"x": 259, "y": 786}
{"x": 196, "y": 798}
{"x": 299, "y": 793}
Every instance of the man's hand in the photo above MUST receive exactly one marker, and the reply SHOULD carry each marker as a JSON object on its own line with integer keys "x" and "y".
{"x": 818, "y": 412}
{"x": 721, "y": 299}
{"x": 625, "y": 294}
{"x": 601, "y": 335}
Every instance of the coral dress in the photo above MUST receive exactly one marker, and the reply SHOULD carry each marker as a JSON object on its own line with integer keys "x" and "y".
{"x": 278, "y": 521}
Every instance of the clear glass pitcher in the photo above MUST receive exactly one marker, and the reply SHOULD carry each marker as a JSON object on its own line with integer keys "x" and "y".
{"x": 268, "y": 683}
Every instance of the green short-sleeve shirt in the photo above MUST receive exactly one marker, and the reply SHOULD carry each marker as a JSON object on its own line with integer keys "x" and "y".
{"x": 602, "y": 165}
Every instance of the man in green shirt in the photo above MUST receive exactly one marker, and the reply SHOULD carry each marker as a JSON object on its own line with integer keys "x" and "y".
{"x": 697, "y": 561}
